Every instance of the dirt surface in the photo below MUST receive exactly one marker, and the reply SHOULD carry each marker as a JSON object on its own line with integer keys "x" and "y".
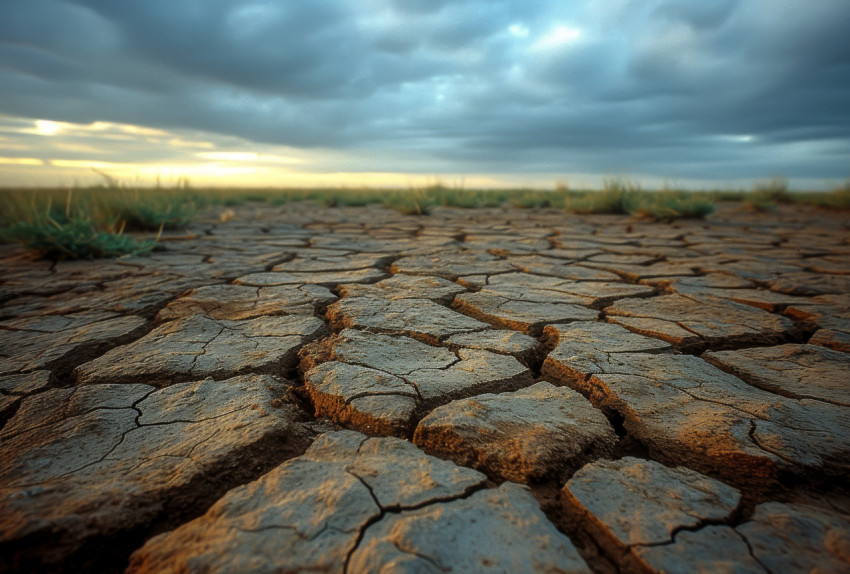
{"x": 300, "y": 389}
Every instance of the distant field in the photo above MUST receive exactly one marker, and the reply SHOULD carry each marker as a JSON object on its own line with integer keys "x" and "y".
{"x": 92, "y": 221}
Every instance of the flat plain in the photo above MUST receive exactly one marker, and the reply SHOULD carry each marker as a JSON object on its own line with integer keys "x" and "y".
{"x": 306, "y": 389}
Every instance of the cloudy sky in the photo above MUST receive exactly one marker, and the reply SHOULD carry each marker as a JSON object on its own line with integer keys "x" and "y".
{"x": 400, "y": 92}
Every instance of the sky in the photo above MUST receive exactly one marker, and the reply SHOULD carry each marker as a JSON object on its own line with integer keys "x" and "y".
{"x": 478, "y": 93}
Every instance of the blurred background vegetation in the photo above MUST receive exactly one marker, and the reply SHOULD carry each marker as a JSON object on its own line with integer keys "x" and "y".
{"x": 93, "y": 221}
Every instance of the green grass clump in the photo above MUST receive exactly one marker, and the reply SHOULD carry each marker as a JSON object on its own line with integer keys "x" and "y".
{"x": 768, "y": 195}
{"x": 670, "y": 205}
{"x": 615, "y": 198}
{"x": 75, "y": 239}
{"x": 155, "y": 215}
{"x": 622, "y": 197}
{"x": 108, "y": 209}
{"x": 90, "y": 222}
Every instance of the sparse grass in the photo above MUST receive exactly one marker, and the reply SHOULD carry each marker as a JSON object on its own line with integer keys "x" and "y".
{"x": 149, "y": 213}
{"x": 839, "y": 198}
{"x": 75, "y": 239}
{"x": 767, "y": 195}
{"x": 108, "y": 209}
{"x": 622, "y": 197}
{"x": 616, "y": 197}
{"x": 90, "y": 222}
{"x": 670, "y": 205}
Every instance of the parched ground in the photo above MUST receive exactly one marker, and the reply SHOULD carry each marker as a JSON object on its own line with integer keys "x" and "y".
{"x": 298, "y": 389}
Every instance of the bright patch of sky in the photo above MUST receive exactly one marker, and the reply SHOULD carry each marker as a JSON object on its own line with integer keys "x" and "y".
{"x": 558, "y": 37}
{"x": 518, "y": 31}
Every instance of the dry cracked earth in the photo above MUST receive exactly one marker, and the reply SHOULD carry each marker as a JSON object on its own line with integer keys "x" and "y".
{"x": 352, "y": 390}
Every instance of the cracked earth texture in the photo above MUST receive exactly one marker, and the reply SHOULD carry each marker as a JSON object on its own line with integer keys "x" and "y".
{"x": 301, "y": 389}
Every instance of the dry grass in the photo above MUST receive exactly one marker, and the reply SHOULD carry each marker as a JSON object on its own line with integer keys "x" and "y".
{"x": 90, "y": 222}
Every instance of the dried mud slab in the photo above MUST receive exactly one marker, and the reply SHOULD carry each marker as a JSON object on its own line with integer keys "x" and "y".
{"x": 236, "y": 302}
{"x": 811, "y": 284}
{"x": 25, "y": 383}
{"x": 198, "y": 264}
{"x": 379, "y": 384}
{"x": 696, "y": 322}
{"x": 692, "y": 413}
{"x": 44, "y": 342}
{"x": 505, "y": 243}
{"x": 326, "y": 263}
{"x": 528, "y": 435}
{"x": 836, "y": 265}
{"x": 419, "y": 318}
{"x": 272, "y": 279}
{"x": 452, "y": 264}
{"x": 715, "y": 548}
{"x": 564, "y": 269}
{"x": 198, "y": 346}
{"x": 137, "y": 294}
{"x": 511, "y": 309}
{"x": 702, "y": 283}
{"x": 501, "y": 341}
{"x": 584, "y": 348}
{"x": 623, "y": 259}
{"x": 403, "y": 286}
{"x": 80, "y": 467}
{"x": 529, "y": 287}
{"x": 634, "y": 508}
{"x": 753, "y": 267}
{"x": 475, "y": 372}
{"x": 762, "y": 298}
{"x": 389, "y": 353}
{"x": 13, "y": 388}
{"x": 798, "y": 539}
{"x": 641, "y": 272}
{"x": 369, "y": 400}
{"x": 650, "y": 518}
{"x": 359, "y": 241}
{"x": 838, "y": 340}
{"x": 574, "y": 238}
{"x": 500, "y": 530}
{"x": 796, "y": 371}
{"x": 831, "y": 314}
{"x": 309, "y": 513}
{"x": 24, "y": 275}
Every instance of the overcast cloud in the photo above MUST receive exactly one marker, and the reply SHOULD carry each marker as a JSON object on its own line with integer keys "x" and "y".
{"x": 719, "y": 89}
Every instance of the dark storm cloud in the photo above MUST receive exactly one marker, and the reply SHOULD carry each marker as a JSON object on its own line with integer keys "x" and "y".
{"x": 674, "y": 88}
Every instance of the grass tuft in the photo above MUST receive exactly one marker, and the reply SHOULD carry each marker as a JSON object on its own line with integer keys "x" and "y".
{"x": 766, "y": 196}
{"x": 90, "y": 222}
{"x": 621, "y": 197}
{"x": 671, "y": 205}
{"x": 75, "y": 239}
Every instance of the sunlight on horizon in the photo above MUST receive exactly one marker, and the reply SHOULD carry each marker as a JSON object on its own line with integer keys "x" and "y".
{"x": 41, "y": 152}
{"x": 47, "y": 128}
{"x": 138, "y": 155}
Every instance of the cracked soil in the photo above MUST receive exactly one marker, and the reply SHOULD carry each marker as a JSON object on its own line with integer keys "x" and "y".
{"x": 301, "y": 389}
